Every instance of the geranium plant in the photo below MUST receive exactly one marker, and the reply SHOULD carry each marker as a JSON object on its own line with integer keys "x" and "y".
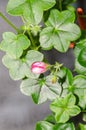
{"x": 49, "y": 24}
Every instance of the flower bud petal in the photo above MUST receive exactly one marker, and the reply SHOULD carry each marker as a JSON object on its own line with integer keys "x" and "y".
{"x": 39, "y": 67}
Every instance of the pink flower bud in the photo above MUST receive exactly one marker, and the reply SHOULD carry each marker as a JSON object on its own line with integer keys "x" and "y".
{"x": 39, "y": 67}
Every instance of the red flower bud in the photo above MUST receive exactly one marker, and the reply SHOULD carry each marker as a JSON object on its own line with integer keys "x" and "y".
{"x": 80, "y": 11}
{"x": 39, "y": 67}
{"x": 71, "y": 45}
{"x": 80, "y": 19}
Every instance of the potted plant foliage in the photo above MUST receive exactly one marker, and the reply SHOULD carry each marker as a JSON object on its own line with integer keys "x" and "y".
{"x": 49, "y": 24}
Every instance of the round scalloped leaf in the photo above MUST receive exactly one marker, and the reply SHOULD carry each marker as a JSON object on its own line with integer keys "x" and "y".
{"x": 14, "y": 45}
{"x": 44, "y": 125}
{"x": 64, "y": 108}
{"x": 60, "y": 31}
{"x": 79, "y": 84}
{"x": 82, "y": 57}
{"x": 41, "y": 89}
{"x": 81, "y": 127}
{"x": 20, "y": 68}
{"x": 32, "y": 10}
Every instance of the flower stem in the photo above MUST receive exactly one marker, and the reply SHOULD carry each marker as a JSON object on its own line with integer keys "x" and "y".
{"x": 60, "y": 5}
{"x": 9, "y": 22}
{"x": 31, "y": 38}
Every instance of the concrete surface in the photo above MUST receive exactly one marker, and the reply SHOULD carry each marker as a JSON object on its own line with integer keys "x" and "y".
{"x": 17, "y": 112}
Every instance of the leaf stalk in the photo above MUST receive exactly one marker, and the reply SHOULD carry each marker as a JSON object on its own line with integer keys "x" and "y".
{"x": 9, "y": 22}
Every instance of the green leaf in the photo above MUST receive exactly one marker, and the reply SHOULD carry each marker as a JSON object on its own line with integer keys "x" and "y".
{"x": 82, "y": 57}
{"x": 67, "y": 2}
{"x": 79, "y": 68}
{"x": 66, "y": 126}
{"x": 81, "y": 127}
{"x": 32, "y": 10}
{"x": 64, "y": 108}
{"x": 71, "y": 8}
{"x": 20, "y": 68}
{"x": 14, "y": 45}
{"x": 79, "y": 46}
{"x": 58, "y": 18}
{"x": 62, "y": 5}
{"x": 41, "y": 89}
{"x": 44, "y": 125}
{"x": 50, "y": 118}
{"x": 15, "y": 7}
{"x": 66, "y": 80}
{"x": 79, "y": 84}
{"x": 60, "y": 31}
{"x": 84, "y": 116}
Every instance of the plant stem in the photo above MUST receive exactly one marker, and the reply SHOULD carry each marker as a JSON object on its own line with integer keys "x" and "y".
{"x": 60, "y": 5}
{"x": 31, "y": 38}
{"x": 9, "y": 22}
{"x": 37, "y": 48}
{"x": 83, "y": 110}
{"x": 23, "y": 19}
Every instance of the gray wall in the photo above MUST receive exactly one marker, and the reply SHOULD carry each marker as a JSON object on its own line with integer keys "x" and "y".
{"x": 17, "y": 112}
